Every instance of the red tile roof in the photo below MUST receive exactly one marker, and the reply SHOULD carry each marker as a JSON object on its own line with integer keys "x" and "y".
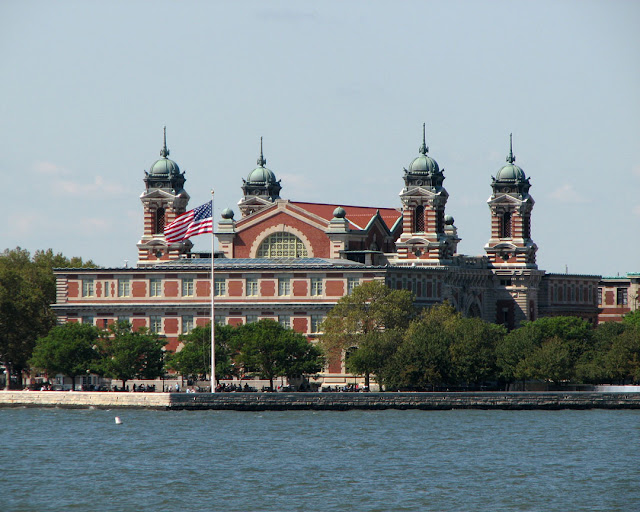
{"x": 358, "y": 216}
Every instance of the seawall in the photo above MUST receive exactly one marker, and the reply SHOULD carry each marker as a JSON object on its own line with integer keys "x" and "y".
{"x": 321, "y": 401}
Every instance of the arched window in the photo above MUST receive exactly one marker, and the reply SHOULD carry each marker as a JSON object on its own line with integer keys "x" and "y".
{"x": 282, "y": 245}
{"x": 506, "y": 225}
{"x": 418, "y": 220}
{"x": 159, "y": 224}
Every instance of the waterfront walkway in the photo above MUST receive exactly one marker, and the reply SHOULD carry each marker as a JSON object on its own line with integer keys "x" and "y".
{"x": 321, "y": 401}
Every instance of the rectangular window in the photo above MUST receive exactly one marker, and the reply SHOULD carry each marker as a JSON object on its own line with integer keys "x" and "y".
{"x": 622, "y": 297}
{"x": 284, "y": 321}
{"x": 316, "y": 286}
{"x": 220, "y": 319}
{"x": 87, "y": 287}
{"x": 155, "y": 287}
{"x": 123, "y": 288}
{"x": 106, "y": 288}
{"x": 284, "y": 287}
{"x": 252, "y": 318}
{"x": 252, "y": 287}
{"x": 87, "y": 320}
{"x": 187, "y": 287}
{"x": 155, "y": 324}
{"x": 599, "y": 296}
{"x": 187, "y": 324}
{"x": 123, "y": 319}
{"x": 219, "y": 287}
{"x": 352, "y": 282}
{"x": 316, "y": 323}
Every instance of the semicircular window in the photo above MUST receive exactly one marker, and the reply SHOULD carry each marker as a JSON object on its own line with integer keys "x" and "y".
{"x": 282, "y": 245}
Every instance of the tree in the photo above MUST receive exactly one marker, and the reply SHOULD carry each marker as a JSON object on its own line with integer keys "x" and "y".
{"x": 473, "y": 350}
{"x": 267, "y": 348}
{"x": 622, "y": 361}
{"x": 550, "y": 361}
{"x": 194, "y": 359}
{"x": 357, "y": 319}
{"x": 67, "y": 349}
{"x": 128, "y": 354}
{"x": 423, "y": 359}
{"x": 27, "y": 288}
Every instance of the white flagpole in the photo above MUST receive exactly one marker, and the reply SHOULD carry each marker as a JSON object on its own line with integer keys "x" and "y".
{"x": 213, "y": 318}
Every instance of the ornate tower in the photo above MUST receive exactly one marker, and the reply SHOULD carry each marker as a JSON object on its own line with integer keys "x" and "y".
{"x": 424, "y": 233}
{"x": 510, "y": 204}
{"x": 260, "y": 188}
{"x": 163, "y": 199}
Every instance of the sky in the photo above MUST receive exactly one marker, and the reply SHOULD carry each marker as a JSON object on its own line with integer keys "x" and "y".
{"x": 339, "y": 91}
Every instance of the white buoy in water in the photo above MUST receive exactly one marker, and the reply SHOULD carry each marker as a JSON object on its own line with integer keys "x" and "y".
{"x": 118, "y": 420}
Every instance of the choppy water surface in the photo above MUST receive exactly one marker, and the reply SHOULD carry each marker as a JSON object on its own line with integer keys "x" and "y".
{"x": 54, "y": 459}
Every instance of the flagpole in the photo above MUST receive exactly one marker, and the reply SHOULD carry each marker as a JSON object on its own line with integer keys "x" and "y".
{"x": 213, "y": 318}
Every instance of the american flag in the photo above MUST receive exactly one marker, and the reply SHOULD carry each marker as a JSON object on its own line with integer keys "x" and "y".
{"x": 192, "y": 223}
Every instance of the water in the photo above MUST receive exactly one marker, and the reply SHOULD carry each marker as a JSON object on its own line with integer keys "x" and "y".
{"x": 465, "y": 460}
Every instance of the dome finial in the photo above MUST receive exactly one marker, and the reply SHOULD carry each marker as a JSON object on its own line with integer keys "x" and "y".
{"x": 511, "y": 157}
{"x": 261, "y": 161}
{"x": 164, "y": 152}
{"x": 424, "y": 149}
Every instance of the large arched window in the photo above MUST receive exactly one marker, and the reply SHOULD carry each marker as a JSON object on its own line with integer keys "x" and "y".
{"x": 282, "y": 245}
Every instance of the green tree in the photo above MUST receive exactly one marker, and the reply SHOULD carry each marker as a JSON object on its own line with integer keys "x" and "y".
{"x": 194, "y": 359}
{"x": 267, "y": 348}
{"x": 27, "y": 289}
{"x": 550, "y": 361}
{"x": 373, "y": 354}
{"x": 473, "y": 350}
{"x": 127, "y": 354}
{"x": 68, "y": 349}
{"x": 423, "y": 359}
{"x": 591, "y": 366}
{"x": 622, "y": 361}
{"x": 357, "y": 319}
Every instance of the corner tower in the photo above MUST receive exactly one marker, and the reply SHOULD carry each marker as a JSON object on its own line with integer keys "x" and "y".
{"x": 260, "y": 189}
{"x": 163, "y": 199}
{"x": 510, "y": 204}
{"x": 424, "y": 232}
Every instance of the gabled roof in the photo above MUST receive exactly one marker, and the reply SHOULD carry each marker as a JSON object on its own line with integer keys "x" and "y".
{"x": 358, "y": 216}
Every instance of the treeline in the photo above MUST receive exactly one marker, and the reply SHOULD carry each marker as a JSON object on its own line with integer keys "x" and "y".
{"x": 385, "y": 338}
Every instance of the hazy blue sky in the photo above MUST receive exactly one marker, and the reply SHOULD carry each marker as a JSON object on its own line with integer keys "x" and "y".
{"x": 339, "y": 90}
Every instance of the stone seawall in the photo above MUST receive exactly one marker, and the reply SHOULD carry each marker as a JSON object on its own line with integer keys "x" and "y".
{"x": 321, "y": 401}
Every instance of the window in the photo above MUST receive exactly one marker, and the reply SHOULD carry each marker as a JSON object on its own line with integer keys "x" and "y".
{"x": 87, "y": 287}
{"x": 316, "y": 323}
{"x": 187, "y": 324}
{"x": 284, "y": 287}
{"x": 526, "y": 226}
{"x": 123, "y": 319}
{"x": 106, "y": 288}
{"x": 599, "y": 296}
{"x": 159, "y": 225}
{"x": 352, "y": 282}
{"x": 87, "y": 320}
{"x": 285, "y": 321}
{"x": 252, "y": 287}
{"x": 219, "y": 286}
{"x": 316, "y": 286}
{"x": 155, "y": 287}
{"x": 252, "y": 318}
{"x": 418, "y": 224}
{"x": 282, "y": 245}
{"x": 155, "y": 324}
{"x": 506, "y": 225}
{"x": 621, "y": 297}
{"x": 123, "y": 288}
{"x": 187, "y": 287}
{"x": 220, "y": 319}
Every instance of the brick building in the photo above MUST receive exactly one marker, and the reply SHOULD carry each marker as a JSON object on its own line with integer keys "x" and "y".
{"x": 292, "y": 261}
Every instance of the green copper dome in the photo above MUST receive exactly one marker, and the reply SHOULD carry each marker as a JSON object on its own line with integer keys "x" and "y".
{"x": 424, "y": 164}
{"x": 261, "y": 175}
{"x": 511, "y": 172}
{"x": 164, "y": 167}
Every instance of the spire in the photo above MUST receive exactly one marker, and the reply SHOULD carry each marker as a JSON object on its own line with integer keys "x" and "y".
{"x": 164, "y": 152}
{"x": 424, "y": 149}
{"x": 511, "y": 157}
{"x": 261, "y": 161}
